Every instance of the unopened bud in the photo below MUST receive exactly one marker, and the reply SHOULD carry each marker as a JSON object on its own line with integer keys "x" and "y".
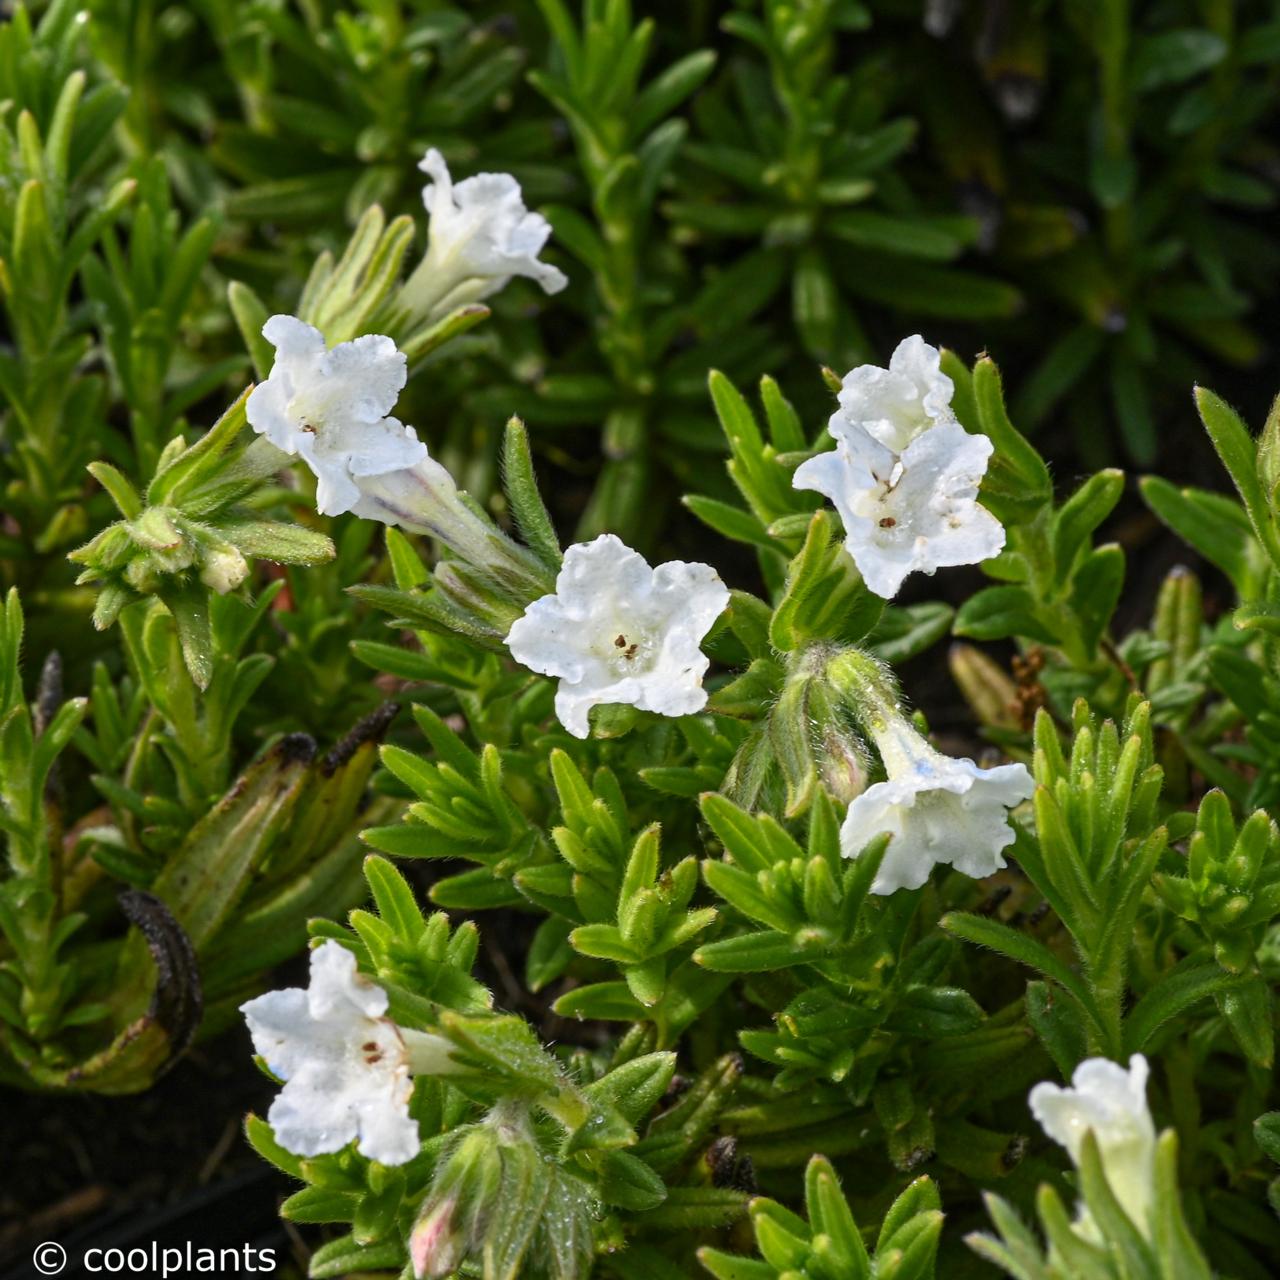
{"x": 1269, "y": 453}
{"x": 143, "y": 575}
{"x": 155, "y": 530}
{"x": 462, "y": 1199}
{"x": 843, "y": 767}
{"x": 435, "y": 1246}
{"x": 223, "y": 569}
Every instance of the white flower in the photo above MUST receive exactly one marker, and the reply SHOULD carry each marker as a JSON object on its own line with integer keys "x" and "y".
{"x": 480, "y": 233}
{"x": 896, "y": 404}
{"x": 616, "y": 630}
{"x": 330, "y": 407}
{"x": 1112, "y": 1102}
{"x": 936, "y": 809}
{"x": 346, "y": 1066}
{"x": 903, "y": 513}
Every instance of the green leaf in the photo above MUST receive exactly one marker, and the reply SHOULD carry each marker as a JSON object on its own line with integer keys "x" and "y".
{"x": 933, "y": 237}
{"x": 1017, "y": 482}
{"x": 904, "y": 633}
{"x": 320, "y": 1204}
{"x": 1060, "y": 1026}
{"x": 1017, "y": 946}
{"x": 1170, "y": 57}
{"x": 250, "y": 315}
{"x": 261, "y": 1138}
{"x": 669, "y": 89}
{"x": 1176, "y": 991}
{"x": 755, "y": 844}
{"x": 1082, "y": 513}
{"x": 815, "y": 305}
{"x": 729, "y": 521}
{"x": 505, "y": 1045}
{"x": 635, "y": 1087}
{"x": 626, "y": 1181}
{"x": 733, "y": 1266}
{"x": 207, "y": 876}
{"x": 1266, "y": 1133}
{"x": 1238, "y": 452}
{"x": 190, "y": 609}
{"x": 1215, "y": 526}
{"x": 924, "y": 289}
{"x": 278, "y": 542}
{"x": 751, "y": 953}
{"x": 394, "y": 899}
{"x": 995, "y": 613}
{"x": 1095, "y": 591}
{"x": 123, "y": 494}
{"x": 824, "y": 597}
{"x": 527, "y": 506}
{"x": 343, "y": 1256}
{"x": 191, "y": 467}
{"x": 610, "y": 1001}
{"x": 1250, "y": 1015}
{"x": 829, "y": 1216}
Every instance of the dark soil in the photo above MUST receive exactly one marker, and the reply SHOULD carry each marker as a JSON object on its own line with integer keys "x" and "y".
{"x": 170, "y": 1163}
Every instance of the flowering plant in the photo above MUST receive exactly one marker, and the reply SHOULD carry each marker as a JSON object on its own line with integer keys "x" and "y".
{"x": 782, "y": 976}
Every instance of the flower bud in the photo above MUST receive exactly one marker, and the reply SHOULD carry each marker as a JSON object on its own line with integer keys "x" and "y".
{"x": 1269, "y": 453}
{"x": 435, "y": 1246}
{"x": 224, "y": 569}
{"x": 155, "y": 530}
{"x": 461, "y": 1202}
{"x": 143, "y": 575}
{"x": 843, "y": 765}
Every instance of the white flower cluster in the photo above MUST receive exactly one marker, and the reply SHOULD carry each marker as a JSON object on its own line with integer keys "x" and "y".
{"x": 904, "y": 474}
{"x": 332, "y": 407}
{"x": 347, "y": 1067}
{"x": 1110, "y": 1102}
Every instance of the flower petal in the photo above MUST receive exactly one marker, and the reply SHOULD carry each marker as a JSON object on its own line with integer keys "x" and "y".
{"x": 293, "y": 339}
{"x": 337, "y": 987}
{"x": 896, "y": 404}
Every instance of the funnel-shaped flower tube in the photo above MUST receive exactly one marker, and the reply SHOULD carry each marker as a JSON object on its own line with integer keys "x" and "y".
{"x": 1110, "y": 1102}
{"x": 480, "y": 235}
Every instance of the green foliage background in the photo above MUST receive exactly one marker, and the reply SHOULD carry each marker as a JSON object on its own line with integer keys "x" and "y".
{"x": 1083, "y": 187}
